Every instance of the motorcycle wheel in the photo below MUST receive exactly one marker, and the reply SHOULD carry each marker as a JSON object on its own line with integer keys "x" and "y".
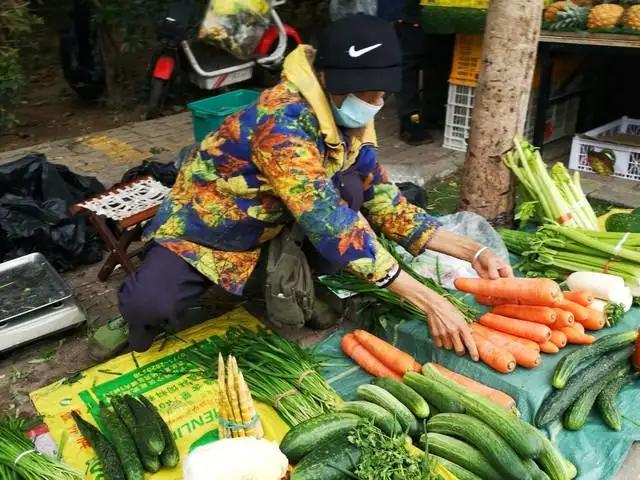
{"x": 157, "y": 93}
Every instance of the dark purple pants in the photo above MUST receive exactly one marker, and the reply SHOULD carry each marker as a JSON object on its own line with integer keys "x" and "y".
{"x": 155, "y": 297}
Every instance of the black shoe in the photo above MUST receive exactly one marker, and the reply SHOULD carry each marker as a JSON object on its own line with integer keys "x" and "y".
{"x": 413, "y": 132}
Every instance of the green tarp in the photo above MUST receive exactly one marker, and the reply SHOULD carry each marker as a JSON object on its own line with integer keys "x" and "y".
{"x": 597, "y": 451}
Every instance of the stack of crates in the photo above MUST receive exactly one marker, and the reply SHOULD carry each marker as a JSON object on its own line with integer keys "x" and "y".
{"x": 467, "y": 57}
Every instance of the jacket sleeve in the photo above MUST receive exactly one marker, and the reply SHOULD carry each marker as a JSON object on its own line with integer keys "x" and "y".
{"x": 288, "y": 150}
{"x": 389, "y": 211}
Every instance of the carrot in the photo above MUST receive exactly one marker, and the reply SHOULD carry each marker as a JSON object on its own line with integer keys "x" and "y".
{"x": 578, "y": 327}
{"x": 494, "y": 356}
{"x": 365, "y": 359}
{"x": 558, "y": 338}
{"x": 497, "y": 396}
{"x": 525, "y": 356}
{"x": 519, "y": 328}
{"x": 563, "y": 319}
{"x": 581, "y": 297}
{"x": 486, "y": 332}
{"x": 577, "y": 338}
{"x": 538, "y": 291}
{"x": 544, "y": 315}
{"x": 394, "y": 358}
{"x": 579, "y": 312}
{"x": 493, "y": 301}
{"x": 595, "y": 320}
{"x": 548, "y": 347}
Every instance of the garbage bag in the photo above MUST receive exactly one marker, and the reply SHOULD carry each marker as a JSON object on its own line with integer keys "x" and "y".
{"x": 414, "y": 194}
{"x": 445, "y": 269}
{"x": 35, "y": 197}
{"x": 235, "y": 26}
{"x": 165, "y": 173}
{"x": 342, "y": 8}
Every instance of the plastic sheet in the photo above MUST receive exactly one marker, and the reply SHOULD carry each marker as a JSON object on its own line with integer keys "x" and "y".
{"x": 342, "y": 8}
{"x": 446, "y": 269}
{"x": 235, "y": 26}
{"x": 35, "y": 198}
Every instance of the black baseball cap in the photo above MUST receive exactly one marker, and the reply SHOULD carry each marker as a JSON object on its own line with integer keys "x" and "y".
{"x": 360, "y": 53}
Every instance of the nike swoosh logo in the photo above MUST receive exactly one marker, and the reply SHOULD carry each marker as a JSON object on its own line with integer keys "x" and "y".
{"x": 353, "y": 53}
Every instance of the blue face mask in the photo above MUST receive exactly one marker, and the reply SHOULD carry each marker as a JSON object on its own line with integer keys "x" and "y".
{"x": 354, "y": 112}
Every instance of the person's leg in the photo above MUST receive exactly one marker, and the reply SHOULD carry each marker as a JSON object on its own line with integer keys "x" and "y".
{"x": 437, "y": 68}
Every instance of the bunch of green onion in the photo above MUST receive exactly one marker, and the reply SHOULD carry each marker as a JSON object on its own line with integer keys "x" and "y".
{"x": 556, "y": 251}
{"x": 554, "y": 194}
{"x": 20, "y": 461}
{"x": 351, "y": 283}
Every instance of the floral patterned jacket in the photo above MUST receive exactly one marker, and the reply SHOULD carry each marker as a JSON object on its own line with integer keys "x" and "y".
{"x": 274, "y": 163}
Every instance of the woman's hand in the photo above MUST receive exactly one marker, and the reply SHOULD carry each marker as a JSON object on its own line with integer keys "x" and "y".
{"x": 448, "y": 327}
{"x": 491, "y": 267}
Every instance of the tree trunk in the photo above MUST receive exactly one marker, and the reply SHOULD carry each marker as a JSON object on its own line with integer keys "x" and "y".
{"x": 502, "y": 96}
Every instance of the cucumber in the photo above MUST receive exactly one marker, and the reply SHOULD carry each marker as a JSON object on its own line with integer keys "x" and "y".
{"x": 123, "y": 444}
{"x": 407, "y": 395}
{"x": 607, "y": 401}
{"x": 170, "y": 456}
{"x": 559, "y": 400}
{"x": 477, "y": 433}
{"x": 425, "y": 465}
{"x": 150, "y": 460}
{"x": 623, "y": 222}
{"x": 379, "y": 396}
{"x": 456, "y": 470}
{"x": 382, "y": 419}
{"x": 329, "y": 461}
{"x": 534, "y": 470}
{"x": 434, "y": 392}
{"x": 568, "y": 363}
{"x": 551, "y": 460}
{"x": 576, "y": 415}
{"x": 572, "y": 471}
{"x": 462, "y": 454}
{"x": 515, "y": 431}
{"x": 148, "y": 425}
{"x": 304, "y": 437}
{"x": 106, "y": 453}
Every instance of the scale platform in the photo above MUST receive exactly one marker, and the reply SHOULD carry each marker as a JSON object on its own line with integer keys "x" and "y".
{"x": 34, "y": 301}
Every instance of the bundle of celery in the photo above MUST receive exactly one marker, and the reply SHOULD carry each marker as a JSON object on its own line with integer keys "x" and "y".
{"x": 277, "y": 371}
{"x": 554, "y": 195}
{"x": 349, "y": 282}
{"x": 20, "y": 460}
{"x": 555, "y": 251}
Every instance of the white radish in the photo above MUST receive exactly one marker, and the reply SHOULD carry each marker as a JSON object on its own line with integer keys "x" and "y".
{"x": 601, "y": 285}
{"x": 598, "y": 305}
{"x": 622, "y": 297}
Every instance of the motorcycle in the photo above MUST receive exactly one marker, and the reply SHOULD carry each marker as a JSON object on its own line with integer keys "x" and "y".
{"x": 208, "y": 67}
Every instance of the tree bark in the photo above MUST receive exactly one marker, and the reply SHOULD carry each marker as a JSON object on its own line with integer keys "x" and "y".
{"x": 502, "y": 97}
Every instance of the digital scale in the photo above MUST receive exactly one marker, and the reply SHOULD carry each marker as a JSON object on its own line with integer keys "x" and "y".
{"x": 34, "y": 301}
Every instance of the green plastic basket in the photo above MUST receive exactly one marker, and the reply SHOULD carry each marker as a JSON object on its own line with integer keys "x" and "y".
{"x": 209, "y": 113}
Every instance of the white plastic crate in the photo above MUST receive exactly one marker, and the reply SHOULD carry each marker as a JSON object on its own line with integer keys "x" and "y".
{"x": 627, "y": 163}
{"x": 561, "y": 117}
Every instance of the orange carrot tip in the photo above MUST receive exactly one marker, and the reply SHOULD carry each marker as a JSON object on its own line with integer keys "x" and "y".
{"x": 548, "y": 347}
{"x": 495, "y": 357}
{"x": 595, "y": 320}
{"x": 558, "y": 338}
{"x": 581, "y": 297}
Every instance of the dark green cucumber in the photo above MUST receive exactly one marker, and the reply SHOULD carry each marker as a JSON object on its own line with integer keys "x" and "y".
{"x": 560, "y": 400}
{"x": 407, "y": 395}
{"x": 148, "y": 425}
{"x": 623, "y": 222}
{"x": 576, "y": 415}
{"x": 462, "y": 454}
{"x": 571, "y": 361}
{"x": 150, "y": 460}
{"x": 382, "y": 419}
{"x": 477, "y": 433}
{"x": 434, "y": 392}
{"x": 123, "y": 443}
{"x": 305, "y": 436}
{"x": 607, "y": 401}
{"x": 329, "y": 461}
{"x": 170, "y": 456}
{"x": 379, "y": 396}
{"x": 457, "y": 471}
{"x": 106, "y": 453}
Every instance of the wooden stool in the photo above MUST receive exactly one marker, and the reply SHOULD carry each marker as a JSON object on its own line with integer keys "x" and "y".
{"x": 128, "y": 207}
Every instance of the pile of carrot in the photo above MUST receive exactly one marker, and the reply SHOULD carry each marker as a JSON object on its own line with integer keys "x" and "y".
{"x": 377, "y": 357}
{"x": 529, "y": 316}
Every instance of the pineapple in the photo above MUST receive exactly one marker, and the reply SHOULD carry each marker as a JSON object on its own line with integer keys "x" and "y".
{"x": 571, "y": 18}
{"x": 604, "y": 16}
{"x": 551, "y": 11}
{"x": 631, "y": 19}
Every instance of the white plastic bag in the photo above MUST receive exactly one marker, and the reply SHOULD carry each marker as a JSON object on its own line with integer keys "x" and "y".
{"x": 445, "y": 269}
{"x": 342, "y": 8}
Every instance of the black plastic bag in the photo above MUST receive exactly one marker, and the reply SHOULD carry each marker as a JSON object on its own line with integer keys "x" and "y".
{"x": 165, "y": 173}
{"x": 35, "y": 198}
{"x": 414, "y": 194}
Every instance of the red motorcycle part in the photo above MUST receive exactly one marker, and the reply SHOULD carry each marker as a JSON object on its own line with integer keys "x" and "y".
{"x": 270, "y": 38}
{"x": 164, "y": 67}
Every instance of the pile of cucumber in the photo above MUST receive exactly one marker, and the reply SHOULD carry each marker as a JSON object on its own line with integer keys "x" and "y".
{"x": 606, "y": 369}
{"x": 139, "y": 439}
{"x": 624, "y": 222}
